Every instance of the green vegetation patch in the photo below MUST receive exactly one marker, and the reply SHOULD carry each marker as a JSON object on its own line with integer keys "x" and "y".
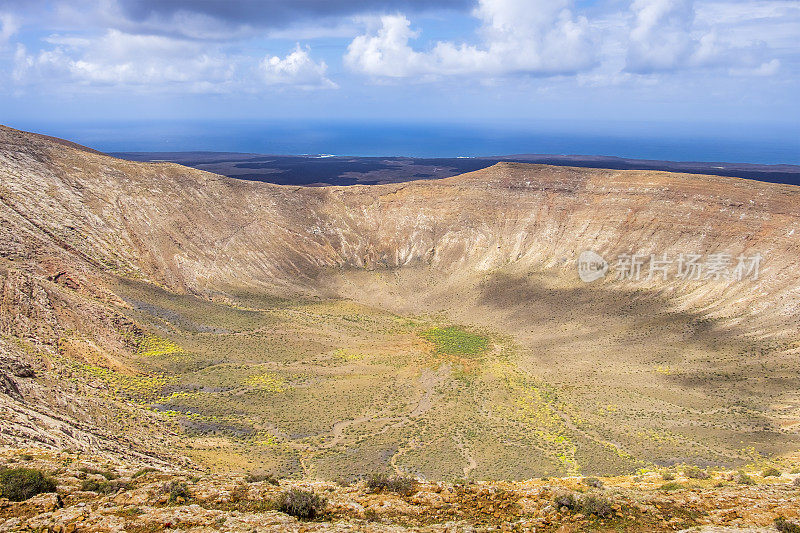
{"x": 154, "y": 346}
{"x": 454, "y": 340}
{"x": 269, "y": 382}
{"x": 138, "y": 387}
{"x": 18, "y": 484}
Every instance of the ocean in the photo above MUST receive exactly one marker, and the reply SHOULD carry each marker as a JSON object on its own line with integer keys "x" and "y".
{"x": 669, "y": 142}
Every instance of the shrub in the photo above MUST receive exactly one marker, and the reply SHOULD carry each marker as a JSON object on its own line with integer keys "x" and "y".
{"x": 695, "y": 473}
{"x": 178, "y": 491}
{"x": 103, "y": 486}
{"x": 771, "y": 472}
{"x": 596, "y": 505}
{"x": 566, "y": 500}
{"x": 785, "y": 526}
{"x": 26, "y": 457}
{"x": 18, "y": 484}
{"x": 668, "y": 476}
{"x": 397, "y": 484}
{"x": 671, "y": 486}
{"x": 796, "y": 482}
{"x": 588, "y": 505}
{"x": 593, "y": 482}
{"x": 744, "y": 479}
{"x": 302, "y": 504}
{"x": 142, "y": 471}
{"x": 256, "y": 478}
{"x": 108, "y": 474}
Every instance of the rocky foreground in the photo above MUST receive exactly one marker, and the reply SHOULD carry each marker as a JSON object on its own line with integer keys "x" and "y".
{"x": 96, "y": 494}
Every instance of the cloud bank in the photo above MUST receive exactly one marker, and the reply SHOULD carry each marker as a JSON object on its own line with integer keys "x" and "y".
{"x": 220, "y": 46}
{"x": 157, "y": 63}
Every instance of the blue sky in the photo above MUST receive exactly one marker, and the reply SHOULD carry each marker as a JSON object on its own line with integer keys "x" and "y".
{"x": 606, "y": 65}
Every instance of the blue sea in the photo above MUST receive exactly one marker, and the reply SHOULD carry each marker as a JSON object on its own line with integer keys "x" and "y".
{"x": 731, "y": 143}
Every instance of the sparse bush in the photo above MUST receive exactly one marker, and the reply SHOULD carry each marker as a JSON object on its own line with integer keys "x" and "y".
{"x": 796, "y": 482}
{"x": 240, "y": 493}
{"x": 668, "y": 476}
{"x": 302, "y": 504}
{"x": 257, "y": 478}
{"x": 593, "y": 482}
{"x": 103, "y": 486}
{"x": 26, "y": 457}
{"x": 566, "y": 500}
{"x": 397, "y": 484}
{"x": 596, "y": 505}
{"x": 671, "y": 486}
{"x": 771, "y": 472}
{"x": 588, "y": 505}
{"x": 744, "y": 479}
{"x": 142, "y": 471}
{"x": 785, "y": 526}
{"x": 695, "y": 473}
{"x": 178, "y": 491}
{"x": 18, "y": 484}
{"x": 108, "y": 474}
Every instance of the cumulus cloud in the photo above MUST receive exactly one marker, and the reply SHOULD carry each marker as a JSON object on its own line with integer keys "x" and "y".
{"x": 387, "y": 52}
{"x": 297, "y": 69}
{"x": 666, "y": 35}
{"x": 117, "y": 58}
{"x": 158, "y": 63}
{"x": 541, "y": 37}
{"x": 660, "y": 38}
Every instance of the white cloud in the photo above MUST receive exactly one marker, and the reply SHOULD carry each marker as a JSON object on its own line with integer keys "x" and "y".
{"x": 669, "y": 35}
{"x": 540, "y": 37}
{"x": 122, "y": 59}
{"x": 296, "y": 69}
{"x": 768, "y": 68}
{"x": 158, "y": 63}
{"x": 9, "y": 24}
{"x": 660, "y": 38}
{"x": 387, "y": 53}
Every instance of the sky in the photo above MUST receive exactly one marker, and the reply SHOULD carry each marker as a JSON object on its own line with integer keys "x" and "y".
{"x": 707, "y": 67}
